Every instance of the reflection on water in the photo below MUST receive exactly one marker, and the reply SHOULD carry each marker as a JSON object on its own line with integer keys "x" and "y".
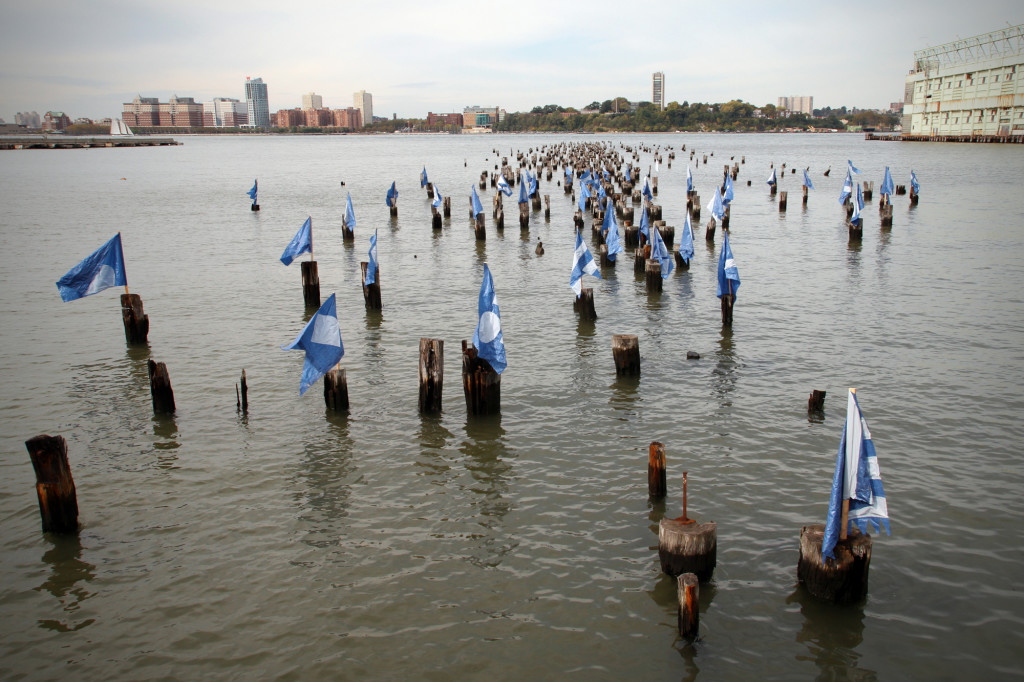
{"x": 165, "y": 440}
{"x": 67, "y": 579}
{"x": 486, "y": 460}
{"x": 831, "y": 634}
{"x": 326, "y": 473}
{"x": 724, "y": 374}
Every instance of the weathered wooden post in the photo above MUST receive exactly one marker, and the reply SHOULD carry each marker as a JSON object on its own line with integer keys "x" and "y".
{"x": 727, "y": 304}
{"x": 430, "y": 190}
{"x": 695, "y": 211}
{"x": 431, "y": 374}
{"x": 626, "y": 352}
{"x": 547, "y": 206}
{"x": 136, "y": 322}
{"x": 371, "y": 292}
{"x": 584, "y": 304}
{"x": 55, "y": 488}
{"x": 603, "y": 254}
{"x": 653, "y": 274}
{"x": 632, "y": 236}
{"x": 856, "y": 232}
{"x": 657, "y": 487}
{"x": 640, "y": 260}
{"x": 709, "y": 231}
{"x": 447, "y": 203}
{"x": 725, "y": 217}
{"x": 479, "y": 228}
{"x": 310, "y": 284}
{"x": 480, "y": 383}
{"x": 524, "y": 216}
{"x": 685, "y": 546}
{"x": 843, "y": 580}
{"x": 887, "y": 215}
{"x": 816, "y": 402}
{"x": 667, "y": 232}
{"x": 435, "y": 220}
{"x": 782, "y": 201}
{"x": 869, "y": 189}
{"x": 336, "y": 390}
{"x": 242, "y": 398}
{"x": 160, "y": 388}
{"x": 688, "y": 594}
{"x": 805, "y": 195}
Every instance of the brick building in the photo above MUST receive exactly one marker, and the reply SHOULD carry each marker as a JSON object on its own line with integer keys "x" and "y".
{"x": 55, "y": 120}
{"x": 445, "y": 120}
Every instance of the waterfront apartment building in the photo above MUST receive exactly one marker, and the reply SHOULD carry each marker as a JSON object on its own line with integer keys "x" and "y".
{"x": 54, "y": 121}
{"x": 969, "y": 87}
{"x": 658, "y": 90}
{"x": 799, "y": 105}
{"x": 363, "y": 101}
{"x": 225, "y": 112}
{"x": 311, "y": 100}
{"x": 446, "y": 120}
{"x": 319, "y": 118}
{"x": 257, "y": 103}
{"x": 150, "y": 112}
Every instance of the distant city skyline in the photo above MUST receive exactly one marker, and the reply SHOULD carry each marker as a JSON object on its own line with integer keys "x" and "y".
{"x": 87, "y": 59}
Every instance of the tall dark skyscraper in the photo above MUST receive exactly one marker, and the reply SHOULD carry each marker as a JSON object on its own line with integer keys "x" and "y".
{"x": 259, "y": 105}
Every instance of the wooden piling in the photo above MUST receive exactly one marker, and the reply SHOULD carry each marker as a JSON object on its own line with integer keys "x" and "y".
{"x": 584, "y": 304}
{"x": 371, "y": 292}
{"x": 843, "y": 580}
{"x": 816, "y": 401}
{"x": 336, "y": 390}
{"x": 640, "y": 261}
{"x": 657, "y": 487}
{"x": 435, "y": 220}
{"x": 652, "y": 271}
{"x": 805, "y": 195}
{"x": 856, "y": 233}
{"x": 431, "y": 375}
{"x": 160, "y": 388}
{"x": 695, "y": 211}
{"x": 480, "y": 383}
{"x": 606, "y": 262}
{"x": 688, "y": 547}
{"x": 242, "y": 397}
{"x": 782, "y": 201}
{"x": 688, "y": 594}
{"x": 524, "y": 216}
{"x": 709, "y": 231}
{"x": 547, "y": 205}
{"x": 479, "y": 229}
{"x": 626, "y": 352}
{"x": 447, "y": 204}
{"x": 136, "y": 322}
{"x": 55, "y": 487}
{"x": 887, "y": 215}
{"x": 632, "y": 239}
{"x": 310, "y": 284}
{"x": 727, "y": 305}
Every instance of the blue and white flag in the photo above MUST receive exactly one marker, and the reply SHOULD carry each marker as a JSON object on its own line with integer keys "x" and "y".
{"x": 914, "y": 184}
{"x": 252, "y": 192}
{"x": 728, "y": 275}
{"x": 321, "y": 339}
{"x": 392, "y": 196}
{"x": 423, "y": 177}
{"x": 645, "y": 223}
{"x": 582, "y": 264}
{"x": 728, "y": 190}
{"x": 502, "y": 186}
{"x": 771, "y": 178}
{"x": 103, "y": 269}
{"x": 610, "y": 232}
{"x": 807, "y": 181}
{"x": 601, "y": 194}
{"x": 853, "y": 169}
{"x": 604, "y": 174}
{"x": 438, "y": 199}
{"x": 568, "y": 173}
{"x": 301, "y": 243}
{"x": 487, "y": 339}
{"x": 609, "y": 221}
{"x": 584, "y": 195}
{"x": 586, "y": 176}
{"x": 628, "y": 177}
{"x": 857, "y": 478}
{"x": 858, "y": 204}
{"x": 646, "y": 191}
{"x": 887, "y": 187}
{"x": 523, "y": 199}
{"x": 532, "y": 182}
{"x": 686, "y": 241}
{"x": 477, "y": 206}
{"x": 847, "y": 189}
{"x": 350, "y": 214}
{"x": 716, "y": 207}
{"x": 371, "y": 265}
{"x": 689, "y": 179}
{"x": 661, "y": 252}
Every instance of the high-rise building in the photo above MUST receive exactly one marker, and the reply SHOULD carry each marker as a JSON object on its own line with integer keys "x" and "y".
{"x": 311, "y": 100}
{"x": 258, "y": 104}
{"x": 658, "y": 90}
{"x": 363, "y": 101}
{"x": 225, "y": 112}
{"x": 801, "y": 105}
{"x": 28, "y": 119}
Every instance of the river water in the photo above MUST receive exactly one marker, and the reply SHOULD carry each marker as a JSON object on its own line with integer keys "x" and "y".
{"x": 292, "y": 543}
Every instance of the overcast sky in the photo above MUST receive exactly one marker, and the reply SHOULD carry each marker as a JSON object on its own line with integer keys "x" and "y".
{"x": 88, "y": 57}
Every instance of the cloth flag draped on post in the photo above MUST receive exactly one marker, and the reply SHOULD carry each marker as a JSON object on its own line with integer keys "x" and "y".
{"x": 502, "y": 185}
{"x": 321, "y": 339}
{"x": 887, "y": 187}
{"x": 487, "y": 339}
{"x": 252, "y": 192}
{"x": 477, "y": 206}
{"x": 392, "y": 195}
{"x": 914, "y": 184}
{"x": 423, "y": 177}
{"x": 610, "y": 231}
{"x": 523, "y": 199}
{"x": 568, "y": 173}
{"x": 102, "y": 269}
{"x": 853, "y": 169}
{"x": 438, "y": 199}
{"x": 771, "y": 178}
{"x": 847, "y": 189}
{"x": 807, "y": 180}
{"x": 686, "y": 241}
{"x": 728, "y": 190}
{"x": 582, "y": 264}
{"x": 728, "y": 275}
{"x": 661, "y": 252}
{"x": 301, "y": 243}
{"x": 689, "y": 179}
{"x": 858, "y": 204}
{"x": 857, "y": 479}
{"x": 646, "y": 191}
{"x": 628, "y": 177}
{"x": 716, "y": 207}
{"x": 371, "y": 266}
{"x": 350, "y": 214}
{"x": 532, "y": 181}
{"x": 584, "y": 195}
{"x": 645, "y": 223}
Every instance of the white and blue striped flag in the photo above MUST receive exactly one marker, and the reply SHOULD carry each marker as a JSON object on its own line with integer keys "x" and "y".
{"x": 716, "y": 207}
{"x": 371, "y": 266}
{"x": 661, "y": 252}
{"x": 847, "y": 189}
{"x": 582, "y": 264}
{"x": 438, "y": 199}
{"x": 301, "y": 243}
{"x": 771, "y": 178}
{"x": 102, "y": 269}
{"x": 853, "y": 169}
{"x": 689, "y": 179}
{"x": 502, "y": 185}
{"x": 321, "y": 339}
{"x": 488, "y": 339}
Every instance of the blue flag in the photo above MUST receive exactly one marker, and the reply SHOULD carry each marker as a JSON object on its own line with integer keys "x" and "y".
{"x": 350, "y": 214}
{"x": 531, "y": 183}
{"x": 645, "y": 223}
{"x": 689, "y": 179}
{"x": 716, "y": 207}
{"x": 103, "y": 269}
{"x": 301, "y": 243}
{"x": 522, "y": 193}
{"x": 887, "y": 187}
{"x": 586, "y": 176}
{"x": 503, "y": 187}
{"x": 438, "y": 199}
{"x": 853, "y": 168}
{"x": 858, "y": 204}
{"x": 686, "y": 241}
{"x": 847, "y": 189}
{"x": 610, "y": 231}
{"x": 321, "y": 339}
{"x": 728, "y": 190}
{"x": 423, "y": 177}
{"x": 914, "y": 184}
{"x": 252, "y": 192}
{"x": 477, "y": 206}
{"x": 392, "y": 196}
{"x": 807, "y": 181}
{"x": 858, "y": 479}
{"x": 771, "y": 178}
{"x": 601, "y": 194}
{"x": 371, "y": 265}
{"x": 487, "y": 339}
{"x": 568, "y": 173}
{"x": 628, "y": 178}
{"x": 584, "y": 195}
{"x": 582, "y": 264}
{"x": 728, "y": 275}
{"x": 646, "y": 191}
{"x": 661, "y": 252}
